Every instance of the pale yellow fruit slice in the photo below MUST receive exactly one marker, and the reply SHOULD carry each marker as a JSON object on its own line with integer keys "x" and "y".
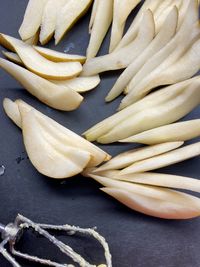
{"x": 156, "y": 116}
{"x": 161, "y": 39}
{"x": 129, "y": 157}
{"x": 32, "y": 18}
{"x": 156, "y": 179}
{"x": 173, "y": 205}
{"x": 12, "y": 111}
{"x": 184, "y": 131}
{"x": 50, "y": 15}
{"x": 48, "y": 156}
{"x": 187, "y": 66}
{"x": 122, "y": 58}
{"x": 80, "y": 84}
{"x": 169, "y": 54}
{"x": 150, "y": 200}
{"x": 93, "y": 15}
{"x": 13, "y": 57}
{"x": 58, "y": 97}
{"x": 154, "y": 99}
{"x": 69, "y": 15}
{"x": 155, "y": 6}
{"x": 100, "y": 23}
{"x": 56, "y": 56}
{"x": 58, "y": 131}
{"x": 166, "y": 159}
{"x": 40, "y": 65}
{"x": 122, "y": 10}
{"x": 34, "y": 39}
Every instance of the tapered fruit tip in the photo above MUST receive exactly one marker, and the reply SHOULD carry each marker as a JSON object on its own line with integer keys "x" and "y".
{"x": 108, "y": 98}
{"x": 102, "y": 265}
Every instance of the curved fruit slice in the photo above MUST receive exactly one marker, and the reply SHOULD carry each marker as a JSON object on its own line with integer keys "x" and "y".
{"x": 122, "y": 10}
{"x": 93, "y": 15}
{"x": 49, "y": 18}
{"x": 32, "y": 18}
{"x": 164, "y": 160}
{"x": 157, "y": 179}
{"x": 58, "y": 97}
{"x": 49, "y": 157}
{"x": 100, "y": 24}
{"x": 180, "y": 131}
{"x": 156, "y": 116}
{"x": 187, "y": 66}
{"x": 56, "y": 56}
{"x": 161, "y": 39}
{"x": 38, "y": 64}
{"x": 12, "y": 111}
{"x": 80, "y": 84}
{"x": 154, "y": 99}
{"x": 57, "y": 131}
{"x": 153, "y": 201}
{"x": 13, "y": 57}
{"x": 129, "y": 157}
{"x": 155, "y": 7}
{"x": 69, "y": 15}
{"x": 122, "y": 58}
{"x": 169, "y": 54}
{"x": 174, "y": 205}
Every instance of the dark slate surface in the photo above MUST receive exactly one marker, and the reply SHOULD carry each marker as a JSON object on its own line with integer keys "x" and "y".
{"x": 135, "y": 240}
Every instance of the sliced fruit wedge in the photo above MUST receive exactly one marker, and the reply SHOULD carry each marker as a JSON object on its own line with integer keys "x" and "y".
{"x": 72, "y": 11}
{"x": 183, "y": 69}
{"x": 154, "y": 99}
{"x": 164, "y": 160}
{"x": 33, "y": 40}
{"x": 32, "y": 18}
{"x": 156, "y": 116}
{"x": 122, "y": 58}
{"x": 157, "y": 7}
{"x": 184, "y": 130}
{"x": 58, "y": 131}
{"x": 156, "y": 179}
{"x": 49, "y": 18}
{"x": 154, "y": 201}
{"x": 12, "y": 111}
{"x": 13, "y": 57}
{"x": 100, "y": 23}
{"x": 173, "y": 205}
{"x": 122, "y": 10}
{"x": 129, "y": 157}
{"x": 40, "y": 65}
{"x": 49, "y": 156}
{"x": 56, "y": 56}
{"x": 58, "y": 97}
{"x": 175, "y": 48}
{"x": 93, "y": 15}
{"x": 166, "y": 33}
{"x": 80, "y": 84}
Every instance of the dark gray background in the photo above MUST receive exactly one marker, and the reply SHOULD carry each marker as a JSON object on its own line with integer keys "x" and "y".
{"x": 135, "y": 239}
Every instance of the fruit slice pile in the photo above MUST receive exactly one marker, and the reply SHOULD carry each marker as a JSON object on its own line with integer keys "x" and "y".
{"x": 125, "y": 178}
{"x": 49, "y": 74}
{"x": 157, "y": 109}
{"x": 53, "y": 17}
{"x": 160, "y": 48}
{"x": 54, "y": 150}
